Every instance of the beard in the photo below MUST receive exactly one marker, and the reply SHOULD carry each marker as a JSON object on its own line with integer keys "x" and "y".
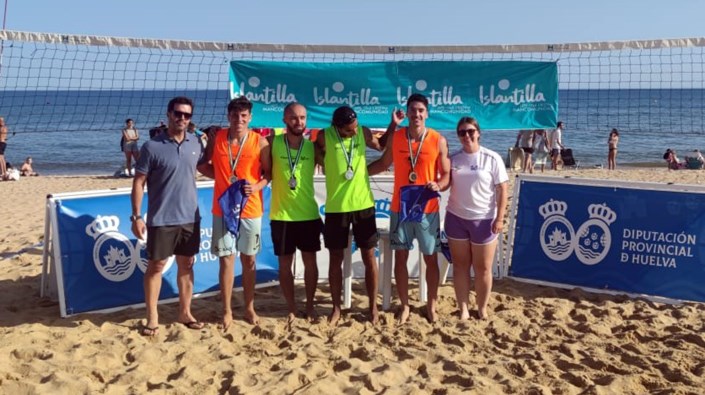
{"x": 295, "y": 131}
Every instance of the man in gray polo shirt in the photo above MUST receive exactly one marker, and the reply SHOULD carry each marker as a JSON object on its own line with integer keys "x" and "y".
{"x": 167, "y": 165}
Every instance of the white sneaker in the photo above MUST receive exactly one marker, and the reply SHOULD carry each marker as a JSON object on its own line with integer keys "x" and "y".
{"x": 132, "y": 172}
{"x": 127, "y": 173}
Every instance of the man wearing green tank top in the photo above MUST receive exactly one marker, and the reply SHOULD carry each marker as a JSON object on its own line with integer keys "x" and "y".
{"x": 340, "y": 148}
{"x": 295, "y": 222}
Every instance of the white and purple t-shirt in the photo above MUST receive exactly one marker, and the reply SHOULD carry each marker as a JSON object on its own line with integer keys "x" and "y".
{"x": 474, "y": 178}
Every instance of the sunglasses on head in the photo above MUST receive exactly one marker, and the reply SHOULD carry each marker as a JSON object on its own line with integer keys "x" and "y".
{"x": 464, "y": 132}
{"x": 181, "y": 114}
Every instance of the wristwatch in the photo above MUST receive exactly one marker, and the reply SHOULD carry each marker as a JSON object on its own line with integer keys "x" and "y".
{"x": 134, "y": 218}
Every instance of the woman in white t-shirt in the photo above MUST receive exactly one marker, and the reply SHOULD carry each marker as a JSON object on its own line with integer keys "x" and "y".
{"x": 474, "y": 215}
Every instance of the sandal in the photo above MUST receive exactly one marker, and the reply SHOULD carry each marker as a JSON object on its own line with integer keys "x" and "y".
{"x": 149, "y": 332}
{"x": 195, "y": 325}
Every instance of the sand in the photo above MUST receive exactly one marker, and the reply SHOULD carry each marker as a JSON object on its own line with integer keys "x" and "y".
{"x": 537, "y": 340}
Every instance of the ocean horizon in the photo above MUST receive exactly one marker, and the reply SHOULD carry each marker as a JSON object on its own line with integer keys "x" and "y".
{"x": 78, "y": 132}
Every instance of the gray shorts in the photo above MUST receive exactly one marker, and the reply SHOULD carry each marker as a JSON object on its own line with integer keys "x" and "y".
{"x": 427, "y": 232}
{"x": 249, "y": 240}
{"x": 131, "y": 146}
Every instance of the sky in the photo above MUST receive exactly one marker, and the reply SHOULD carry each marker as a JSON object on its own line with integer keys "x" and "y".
{"x": 365, "y": 22}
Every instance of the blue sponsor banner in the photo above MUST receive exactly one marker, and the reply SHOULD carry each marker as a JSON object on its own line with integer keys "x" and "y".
{"x": 103, "y": 264}
{"x": 616, "y": 238}
{"x": 501, "y": 95}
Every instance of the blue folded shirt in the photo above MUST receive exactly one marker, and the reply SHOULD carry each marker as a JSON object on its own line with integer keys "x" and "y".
{"x": 231, "y": 202}
{"x": 413, "y": 200}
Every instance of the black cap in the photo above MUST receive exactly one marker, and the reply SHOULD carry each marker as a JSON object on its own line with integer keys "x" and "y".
{"x": 343, "y": 116}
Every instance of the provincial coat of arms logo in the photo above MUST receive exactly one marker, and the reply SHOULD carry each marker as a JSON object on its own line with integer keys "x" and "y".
{"x": 114, "y": 255}
{"x": 591, "y": 242}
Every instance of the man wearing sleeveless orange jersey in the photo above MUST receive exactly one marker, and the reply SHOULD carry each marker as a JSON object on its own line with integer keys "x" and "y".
{"x": 420, "y": 157}
{"x": 238, "y": 153}
{"x": 349, "y": 202}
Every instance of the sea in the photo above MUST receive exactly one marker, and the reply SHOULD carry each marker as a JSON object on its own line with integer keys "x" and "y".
{"x": 78, "y": 132}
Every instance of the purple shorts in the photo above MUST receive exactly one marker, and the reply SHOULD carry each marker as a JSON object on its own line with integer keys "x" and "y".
{"x": 478, "y": 231}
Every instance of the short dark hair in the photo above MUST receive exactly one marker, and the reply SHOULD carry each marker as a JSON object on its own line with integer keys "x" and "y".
{"x": 343, "y": 116}
{"x": 179, "y": 100}
{"x": 128, "y": 120}
{"x": 417, "y": 97}
{"x": 559, "y": 124}
{"x": 239, "y": 104}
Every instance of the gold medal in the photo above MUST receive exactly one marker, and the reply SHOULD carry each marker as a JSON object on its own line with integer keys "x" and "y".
{"x": 412, "y": 177}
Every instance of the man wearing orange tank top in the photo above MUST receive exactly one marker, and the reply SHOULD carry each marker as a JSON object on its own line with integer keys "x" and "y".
{"x": 420, "y": 157}
{"x": 234, "y": 154}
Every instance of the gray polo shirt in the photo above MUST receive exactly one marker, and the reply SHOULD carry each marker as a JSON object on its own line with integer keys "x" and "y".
{"x": 171, "y": 179}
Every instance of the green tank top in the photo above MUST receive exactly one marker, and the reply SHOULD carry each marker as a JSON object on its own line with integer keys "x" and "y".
{"x": 343, "y": 195}
{"x": 298, "y": 204}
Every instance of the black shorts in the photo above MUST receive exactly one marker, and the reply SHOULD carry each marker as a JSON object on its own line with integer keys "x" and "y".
{"x": 165, "y": 241}
{"x": 287, "y": 236}
{"x": 364, "y": 227}
{"x": 527, "y": 150}
{"x": 3, "y": 145}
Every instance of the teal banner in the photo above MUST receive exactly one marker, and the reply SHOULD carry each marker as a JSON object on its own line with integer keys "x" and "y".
{"x": 501, "y": 95}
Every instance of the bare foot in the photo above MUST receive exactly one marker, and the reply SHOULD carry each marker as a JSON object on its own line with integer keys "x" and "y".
{"x": 403, "y": 315}
{"x": 290, "y": 318}
{"x": 334, "y": 316}
{"x": 464, "y": 315}
{"x": 431, "y": 314}
{"x": 481, "y": 314}
{"x": 311, "y": 314}
{"x": 251, "y": 317}
{"x": 227, "y": 321}
{"x": 374, "y": 314}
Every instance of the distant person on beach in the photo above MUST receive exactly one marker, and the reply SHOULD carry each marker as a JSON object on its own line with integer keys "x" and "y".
{"x": 475, "y": 215}
{"x": 155, "y": 131}
{"x": 295, "y": 221}
{"x": 556, "y": 145}
{"x": 237, "y": 153}
{"x": 3, "y": 146}
{"x": 420, "y": 157}
{"x": 612, "y": 143}
{"x": 672, "y": 160}
{"x": 167, "y": 165}
{"x": 26, "y": 169}
{"x": 198, "y": 133}
{"x": 130, "y": 145}
{"x": 541, "y": 149}
{"x": 525, "y": 141}
{"x": 340, "y": 148}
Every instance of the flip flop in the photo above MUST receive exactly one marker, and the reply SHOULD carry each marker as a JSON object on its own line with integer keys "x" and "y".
{"x": 149, "y": 331}
{"x": 195, "y": 325}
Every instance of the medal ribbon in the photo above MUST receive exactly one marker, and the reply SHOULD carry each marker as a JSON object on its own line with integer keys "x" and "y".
{"x": 348, "y": 157}
{"x": 239, "y": 151}
{"x": 414, "y": 158}
{"x": 292, "y": 165}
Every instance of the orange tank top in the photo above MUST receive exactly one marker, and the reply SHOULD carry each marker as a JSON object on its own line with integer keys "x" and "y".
{"x": 426, "y": 168}
{"x": 248, "y": 168}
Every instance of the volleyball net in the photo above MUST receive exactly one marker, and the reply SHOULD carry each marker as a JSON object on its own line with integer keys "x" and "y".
{"x": 61, "y": 82}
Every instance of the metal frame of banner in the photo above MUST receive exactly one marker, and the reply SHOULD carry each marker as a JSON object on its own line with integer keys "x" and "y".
{"x": 568, "y": 180}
